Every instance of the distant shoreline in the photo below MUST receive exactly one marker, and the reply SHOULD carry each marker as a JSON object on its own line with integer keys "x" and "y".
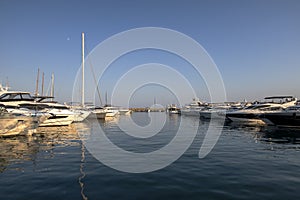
{"x": 147, "y": 109}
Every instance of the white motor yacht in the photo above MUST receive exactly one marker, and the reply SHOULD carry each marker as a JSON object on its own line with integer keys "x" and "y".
{"x": 193, "y": 108}
{"x": 111, "y": 111}
{"x": 97, "y": 112}
{"x": 173, "y": 109}
{"x": 59, "y": 115}
{"x": 214, "y": 112}
{"x": 289, "y": 117}
{"x": 124, "y": 111}
{"x": 82, "y": 112}
{"x": 251, "y": 114}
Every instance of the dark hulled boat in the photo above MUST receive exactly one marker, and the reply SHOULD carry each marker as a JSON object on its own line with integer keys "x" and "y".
{"x": 285, "y": 118}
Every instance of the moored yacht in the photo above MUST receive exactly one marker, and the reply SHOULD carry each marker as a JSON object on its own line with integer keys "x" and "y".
{"x": 251, "y": 114}
{"x": 173, "y": 109}
{"x": 193, "y": 108}
{"x": 214, "y": 111}
{"x": 97, "y": 112}
{"x": 289, "y": 117}
{"x": 124, "y": 111}
{"x": 15, "y": 98}
{"x": 111, "y": 111}
{"x": 81, "y": 112}
{"x": 59, "y": 115}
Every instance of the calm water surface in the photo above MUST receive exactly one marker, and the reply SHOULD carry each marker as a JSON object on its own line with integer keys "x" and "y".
{"x": 246, "y": 163}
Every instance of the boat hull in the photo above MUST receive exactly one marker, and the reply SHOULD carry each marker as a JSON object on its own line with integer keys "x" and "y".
{"x": 245, "y": 118}
{"x": 247, "y": 121}
{"x": 174, "y": 112}
{"x": 284, "y": 119}
{"x": 81, "y": 115}
{"x": 191, "y": 113}
{"x": 97, "y": 114}
{"x": 111, "y": 113}
{"x": 124, "y": 112}
{"x": 57, "y": 121}
{"x": 100, "y": 115}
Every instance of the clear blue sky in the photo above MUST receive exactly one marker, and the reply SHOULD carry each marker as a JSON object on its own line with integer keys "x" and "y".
{"x": 255, "y": 44}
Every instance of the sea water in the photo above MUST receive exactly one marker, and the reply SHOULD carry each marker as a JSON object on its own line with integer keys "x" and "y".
{"x": 247, "y": 162}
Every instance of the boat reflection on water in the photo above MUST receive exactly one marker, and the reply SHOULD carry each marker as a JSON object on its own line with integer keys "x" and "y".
{"x": 61, "y": 133}
{"x": 25, "y": 148}
{"x": 267, "y": 134}
{"x": 279, "y": 135}
{"x": 107, "y": 122}
{"x": 20, "y": 149}
{"x": 16, "y": 149}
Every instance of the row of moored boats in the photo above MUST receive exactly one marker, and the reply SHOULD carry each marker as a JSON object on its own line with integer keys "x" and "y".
{"x": 282, "y": 111}
{"x": 22, "y": 113}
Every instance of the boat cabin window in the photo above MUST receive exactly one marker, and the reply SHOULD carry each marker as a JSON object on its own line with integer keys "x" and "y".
{"x": 4, "y": 96}
{"x": 15, "y": 96}
{"x": 59, "y": 107}
{"x": 256, "y": 107}
{"x": 11, "y": 97}
{"x": 26, "y": 97}
{"x": 295, "y": 108}
{"x": 272, "y": 108}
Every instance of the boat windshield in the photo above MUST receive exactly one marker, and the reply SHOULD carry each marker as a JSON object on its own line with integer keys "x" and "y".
{"x": 16, "y": 97}
{"x": 264, "y": 107}
{"x": 272, "y": 108}
{"x": 26, "y": 96}
{"x": 257, "y": 107}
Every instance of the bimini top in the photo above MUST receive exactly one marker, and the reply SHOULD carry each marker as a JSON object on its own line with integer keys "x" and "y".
{"x": 279, "y": 97}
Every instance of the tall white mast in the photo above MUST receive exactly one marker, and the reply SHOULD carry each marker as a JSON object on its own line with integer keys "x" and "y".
{"x": 37, "y": 83}
{"x": 7, "y": 83}
{"x": 43, "y": 79}
{"x": 82, "y": 51}
{"x": 52, "y": 87}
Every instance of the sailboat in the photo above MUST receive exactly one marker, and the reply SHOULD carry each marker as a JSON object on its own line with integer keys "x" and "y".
{"x": 110, "y": 110}
{"x": 80, "y": 110}
{"x": 91, "y": 111}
